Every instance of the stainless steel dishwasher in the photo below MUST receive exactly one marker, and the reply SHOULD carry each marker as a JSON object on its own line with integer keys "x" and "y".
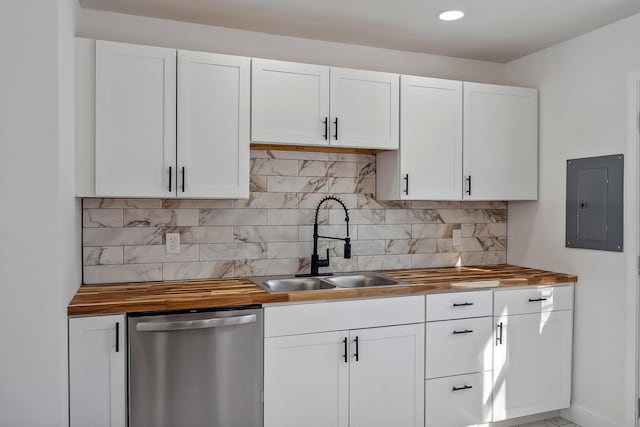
{"x": 196, "y": 369}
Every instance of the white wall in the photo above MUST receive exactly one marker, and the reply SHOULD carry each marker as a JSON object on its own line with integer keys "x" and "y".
{"x": 36, "y": 280}
{"x": 583, "y": 113}
{"x": 152, "y": 31}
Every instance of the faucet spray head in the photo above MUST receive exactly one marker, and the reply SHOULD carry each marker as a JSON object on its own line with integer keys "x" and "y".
{"x": 347, "y": 248}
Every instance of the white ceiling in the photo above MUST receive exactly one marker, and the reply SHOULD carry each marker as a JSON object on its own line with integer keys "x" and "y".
{"x": 492, "y": 30}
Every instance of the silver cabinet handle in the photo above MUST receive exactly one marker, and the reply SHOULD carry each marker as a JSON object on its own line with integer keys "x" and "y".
{"x": 194, "y": 324}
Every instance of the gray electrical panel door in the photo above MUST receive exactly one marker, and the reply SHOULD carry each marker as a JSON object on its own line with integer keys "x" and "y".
{"x": 595, "y": 203}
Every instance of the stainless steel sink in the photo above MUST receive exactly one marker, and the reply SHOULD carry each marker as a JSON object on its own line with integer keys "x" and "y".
{"x": 354, "y": 280}
{"x": 294, "y": 284}
{"x": 362, "y": 281}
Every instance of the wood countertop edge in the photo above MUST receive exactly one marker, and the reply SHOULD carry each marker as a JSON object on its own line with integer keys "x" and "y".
{"x": 226, "y": 292}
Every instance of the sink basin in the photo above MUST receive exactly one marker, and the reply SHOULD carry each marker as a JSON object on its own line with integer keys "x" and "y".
{"x": 362, "y": 281}
{"x": 276, "y": 284}
{"x": 295, "y": 284}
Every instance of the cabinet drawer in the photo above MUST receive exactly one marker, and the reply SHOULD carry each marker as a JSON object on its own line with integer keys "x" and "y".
{"x": 533, "y": 300}
{"x": 458, "y": 347}
{"x": 458, "y": 305}
{"x": 458, "y": 401}
{"x": 339, "y": 315}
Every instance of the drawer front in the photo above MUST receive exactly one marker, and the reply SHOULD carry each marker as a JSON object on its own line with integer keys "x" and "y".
{"x": 455, "y": 347}
{"x": 533, "y": 300}
{"x": 458, "y": 305}
{"x": 458, "y": 401}
{"x": 325, "y": 316}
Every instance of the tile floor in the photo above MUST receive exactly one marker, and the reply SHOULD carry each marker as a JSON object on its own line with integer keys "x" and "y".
{"x": 552, "y": 422}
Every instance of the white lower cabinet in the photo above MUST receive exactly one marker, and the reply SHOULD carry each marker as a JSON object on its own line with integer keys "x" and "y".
{"x": 356, "y": 377}
{"x": 458, "y": 359}
{"x": 306, "y": 380}
{"x": 97, "y": 371}
{"x": 458, "y": 401}
{"x": 532, "y": 363}
{"x": 385, "y": 378}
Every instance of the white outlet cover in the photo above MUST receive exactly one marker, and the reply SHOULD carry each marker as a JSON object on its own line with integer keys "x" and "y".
{"x": 173, "y": 243}
{"x": 456, "y": 237}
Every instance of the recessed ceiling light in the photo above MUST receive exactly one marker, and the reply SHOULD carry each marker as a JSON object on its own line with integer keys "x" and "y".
{"x": 451, "y": 15}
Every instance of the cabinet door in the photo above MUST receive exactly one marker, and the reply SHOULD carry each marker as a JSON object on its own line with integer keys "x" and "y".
{"x": 500, "y": 142}
{"x": 532, "y": 364}
{"x": 387, "y": 377}
{"x": 97, "y": 391}
{"x": 306, "y": 380}
{"x": 213, "y": 125}
{"x": 366, "y": 105}
{"x": 135, "y": 120}
{"x": 431, "y": 138}
{"x": 289, "y": 103}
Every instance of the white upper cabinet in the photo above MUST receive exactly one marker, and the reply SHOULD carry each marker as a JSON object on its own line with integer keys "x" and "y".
{"x": 97, "y": 371}
{"x": 135, "y": 120}
{"x": 213, "y": 125}
{"x": 364, "y": 109}
{"x": 290, "y": 103}
{"x": 155, "y": 122}
{"x": 450, "y": 131}
{"x": 500, "y": 142}
{"x": 428, "y": 165}
{"x": 306, "y": 104}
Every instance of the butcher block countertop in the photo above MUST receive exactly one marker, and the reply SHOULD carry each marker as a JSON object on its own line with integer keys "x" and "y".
{"x": 193, "y": 294}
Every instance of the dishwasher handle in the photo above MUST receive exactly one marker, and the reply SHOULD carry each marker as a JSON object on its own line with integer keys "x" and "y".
{"x": 195, "y": 324}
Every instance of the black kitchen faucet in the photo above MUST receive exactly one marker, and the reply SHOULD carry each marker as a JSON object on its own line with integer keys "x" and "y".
{"x": 316, "y": 262}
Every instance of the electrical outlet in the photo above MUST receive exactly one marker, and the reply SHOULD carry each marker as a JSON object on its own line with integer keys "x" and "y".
{"x": 456, "y": 237}
{"x": 173, "y": 243}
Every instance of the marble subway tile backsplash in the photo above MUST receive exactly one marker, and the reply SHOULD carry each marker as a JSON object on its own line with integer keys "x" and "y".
{"x": 271, "y": 232}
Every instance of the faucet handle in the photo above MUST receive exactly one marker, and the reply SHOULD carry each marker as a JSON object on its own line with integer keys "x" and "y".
{"x": 324, "y": 262}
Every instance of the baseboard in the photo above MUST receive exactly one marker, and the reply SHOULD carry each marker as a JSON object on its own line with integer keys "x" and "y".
{"x": 586, "y": 417}
{"x": 523, "y": 420}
